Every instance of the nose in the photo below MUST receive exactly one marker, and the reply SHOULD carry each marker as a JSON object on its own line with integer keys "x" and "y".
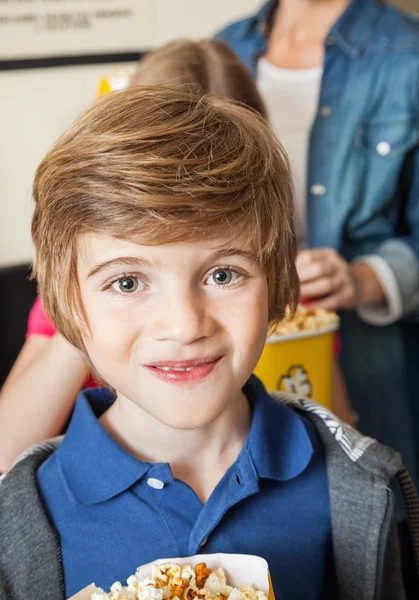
{"x": 182, "y": 318}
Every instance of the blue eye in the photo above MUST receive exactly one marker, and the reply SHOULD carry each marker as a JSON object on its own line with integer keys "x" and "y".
{"x": 222, "y": 277}
{"x": 127, "y": 285}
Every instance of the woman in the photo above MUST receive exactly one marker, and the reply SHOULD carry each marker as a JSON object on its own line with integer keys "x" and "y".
{"x": 340, "y": 80}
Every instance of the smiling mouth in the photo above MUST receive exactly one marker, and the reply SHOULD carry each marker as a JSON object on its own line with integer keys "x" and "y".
{"x": 184, "y": 372}
{"x": 175, "y": 368}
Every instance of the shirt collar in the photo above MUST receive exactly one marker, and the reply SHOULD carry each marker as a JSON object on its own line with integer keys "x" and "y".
{"x": 352, "y": 30}
{"x": 278, "y": 441}
{"x": 261, "y": 19}
{"x": 355, "y": 26}
{"x": 94, "y": 466}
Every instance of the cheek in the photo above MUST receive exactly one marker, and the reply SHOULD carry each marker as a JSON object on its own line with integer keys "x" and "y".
{"x": 113, "y": 332}
{"x": 257, "y": 324}
{"x": 249, "y": 324}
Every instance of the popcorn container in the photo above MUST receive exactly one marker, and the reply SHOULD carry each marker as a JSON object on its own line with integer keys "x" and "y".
{"x": 240, "y": 569}
{"x": 300, "y": 363}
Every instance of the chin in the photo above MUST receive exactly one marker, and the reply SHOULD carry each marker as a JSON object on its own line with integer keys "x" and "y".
{"x": 187, "y": 416}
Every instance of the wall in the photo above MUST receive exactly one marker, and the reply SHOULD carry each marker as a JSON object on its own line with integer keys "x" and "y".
{"x": 36, "y": 105}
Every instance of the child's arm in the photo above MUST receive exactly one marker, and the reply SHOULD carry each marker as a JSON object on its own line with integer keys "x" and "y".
{"x": 38, "y": 395}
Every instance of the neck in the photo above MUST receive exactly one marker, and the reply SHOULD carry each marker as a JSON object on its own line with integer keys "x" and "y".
{"x": 298, "y": 31}
{"x": 199, "y": 457}
{"x": 306, "y": 19}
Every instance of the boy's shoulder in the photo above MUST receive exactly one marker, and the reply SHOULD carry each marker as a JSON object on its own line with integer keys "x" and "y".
{"x": 360, "y": 471}
{"x": 28, "y": 542}
{"x": 342, "y": 443}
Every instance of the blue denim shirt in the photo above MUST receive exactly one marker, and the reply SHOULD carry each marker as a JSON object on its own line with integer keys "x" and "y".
{"x": 363, "y": 171}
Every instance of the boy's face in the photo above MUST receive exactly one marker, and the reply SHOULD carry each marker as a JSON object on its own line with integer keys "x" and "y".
{"x": 176, "y": 328}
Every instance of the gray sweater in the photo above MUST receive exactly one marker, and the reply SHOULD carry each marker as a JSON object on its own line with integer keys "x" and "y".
{"x": 365, "y": 542}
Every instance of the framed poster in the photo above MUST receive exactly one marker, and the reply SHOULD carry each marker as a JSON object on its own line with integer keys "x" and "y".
{"x": 66, "y": 30}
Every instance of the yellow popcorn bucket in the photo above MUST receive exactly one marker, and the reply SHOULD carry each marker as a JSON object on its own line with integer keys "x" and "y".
{"x": 240, "y": 569}
{"x": 300, "y": 363}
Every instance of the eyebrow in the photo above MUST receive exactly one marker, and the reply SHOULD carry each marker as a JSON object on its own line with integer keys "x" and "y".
{"x": 226, "y": 252}
{"x": 132, "y": 261}
{"x": 128, "y": 261}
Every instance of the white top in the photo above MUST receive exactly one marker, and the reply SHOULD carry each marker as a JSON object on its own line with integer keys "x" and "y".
{"x": 291, "y": 98}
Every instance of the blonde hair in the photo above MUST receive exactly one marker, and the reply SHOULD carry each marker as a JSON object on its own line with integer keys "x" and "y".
{"x": 158, "y": 165}
{"x": 203, "y": 67}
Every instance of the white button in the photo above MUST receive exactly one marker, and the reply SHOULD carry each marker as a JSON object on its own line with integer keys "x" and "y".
{"x": 317, "y": 189}
{"x": 325, "y": 111}
{"x": 204, "y": 541}
{"x": 156, "y": 484}
{"x": 383, "y": 148}
{"x": 331, "y": 40}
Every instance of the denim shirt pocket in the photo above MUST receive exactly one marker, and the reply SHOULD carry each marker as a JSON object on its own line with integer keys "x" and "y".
{"x": 388, "y": 138}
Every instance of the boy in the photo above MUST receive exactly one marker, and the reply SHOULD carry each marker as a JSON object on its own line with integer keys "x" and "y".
{"x": 164, "y": 249}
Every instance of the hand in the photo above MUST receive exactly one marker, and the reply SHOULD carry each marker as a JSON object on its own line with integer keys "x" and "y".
{"x": 328, "y": 281}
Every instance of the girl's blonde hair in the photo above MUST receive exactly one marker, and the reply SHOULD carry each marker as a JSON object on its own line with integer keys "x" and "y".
{"x": 203, "y": 67}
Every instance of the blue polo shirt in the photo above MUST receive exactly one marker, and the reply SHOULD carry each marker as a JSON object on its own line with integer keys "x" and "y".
{"x": 114, "y": 512}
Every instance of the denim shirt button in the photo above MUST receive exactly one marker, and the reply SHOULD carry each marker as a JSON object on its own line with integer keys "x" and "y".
{"x": 317, "y": 189}
{"x": 330, "y": 40}
{"x": 383, "y": 148}
{"x": 204, "y": 541}
{"x": 325, "y": 111}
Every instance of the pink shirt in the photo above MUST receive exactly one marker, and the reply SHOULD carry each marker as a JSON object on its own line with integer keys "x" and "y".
{"x": 38, "y": 321}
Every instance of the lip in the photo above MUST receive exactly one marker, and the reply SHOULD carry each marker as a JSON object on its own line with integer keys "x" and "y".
{"x": 200, "y": 369}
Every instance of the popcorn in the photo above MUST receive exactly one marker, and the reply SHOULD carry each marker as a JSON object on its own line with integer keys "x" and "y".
{"x": 177, "y": 585}
{"x": 117, "y": 593}
{"x": 213, "y": 585}
{"x": 235, "y": 595}
{"x": 170, "y": 581}
{"x": 306, "y": 319}
{"x": 188, "y": 573}
{"x": 149, "y": 593}
{"x": 248, "y": 592}
{"x": 174, "y": 570}
{"x": 202, "y": 572}
{"x": 132, "y": 583}
{"x": 116, "y": 587}
{"x": 142, "y": 584}
{"x": 192, "y": 592}
{"x": 159, "y": 573}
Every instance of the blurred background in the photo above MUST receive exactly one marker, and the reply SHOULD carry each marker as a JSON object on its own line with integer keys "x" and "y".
{"x": 37, "y": 103}
{"x": 52, "y": 55}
